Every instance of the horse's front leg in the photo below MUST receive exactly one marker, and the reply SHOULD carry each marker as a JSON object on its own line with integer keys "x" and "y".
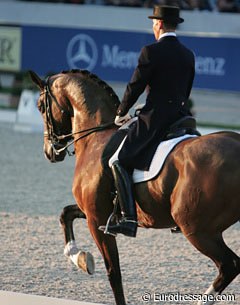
{"x": 81, "y": 259}
{"x": 108, "y": 248}
{"x": 69, "y": 213}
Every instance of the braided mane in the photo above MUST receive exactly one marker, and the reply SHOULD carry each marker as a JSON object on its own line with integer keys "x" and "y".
{"x": 99, "y": 81}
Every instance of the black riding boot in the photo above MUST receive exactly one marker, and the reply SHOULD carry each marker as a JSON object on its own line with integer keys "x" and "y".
{"x": 127, "y": 225}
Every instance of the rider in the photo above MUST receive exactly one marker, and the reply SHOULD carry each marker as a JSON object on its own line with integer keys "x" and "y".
{"x": 166, "y": 68}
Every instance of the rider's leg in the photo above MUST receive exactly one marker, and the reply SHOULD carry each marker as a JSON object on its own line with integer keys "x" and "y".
{"x": 127, "y": 225}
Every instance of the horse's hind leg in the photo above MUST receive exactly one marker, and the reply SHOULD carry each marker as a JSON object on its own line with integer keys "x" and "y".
{"x": 227, "y": 262}
{"x": 83, "y": 260}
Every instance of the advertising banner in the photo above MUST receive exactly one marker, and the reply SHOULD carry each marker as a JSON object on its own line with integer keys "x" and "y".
{"x": 217, "y": 62}
{"x": 112, "y": 55}
{"x": 10, "y": 48}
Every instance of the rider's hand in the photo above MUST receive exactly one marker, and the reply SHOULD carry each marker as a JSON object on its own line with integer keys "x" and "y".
{"x": 138, "y": 109}
{"x": 120, "y": 120}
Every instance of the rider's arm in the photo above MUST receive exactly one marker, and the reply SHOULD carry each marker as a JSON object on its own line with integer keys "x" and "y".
{"x": 138, "y": 82}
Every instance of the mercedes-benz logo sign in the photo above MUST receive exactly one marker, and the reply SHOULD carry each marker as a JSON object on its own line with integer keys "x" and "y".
{"x": 82, "y": 52}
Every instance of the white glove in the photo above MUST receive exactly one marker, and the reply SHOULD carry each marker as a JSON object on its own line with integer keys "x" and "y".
{"x": 120, "y": 120}
{"x": 139, "y": 107}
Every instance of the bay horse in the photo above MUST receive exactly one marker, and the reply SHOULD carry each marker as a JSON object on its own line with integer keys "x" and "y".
{"x": 198, "y": 188}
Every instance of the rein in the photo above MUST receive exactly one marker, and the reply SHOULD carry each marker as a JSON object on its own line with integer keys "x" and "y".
{"x": 53, "y": 136}
{"x": 88, "y": 132}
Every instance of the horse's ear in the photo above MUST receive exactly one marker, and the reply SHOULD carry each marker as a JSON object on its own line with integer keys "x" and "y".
{"x": 37, "y": 80}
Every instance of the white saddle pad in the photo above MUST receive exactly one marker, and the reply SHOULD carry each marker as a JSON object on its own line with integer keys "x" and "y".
{"x": 164, "y": 148}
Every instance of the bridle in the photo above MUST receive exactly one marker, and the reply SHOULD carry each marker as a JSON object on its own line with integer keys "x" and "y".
{"x": 54, "y": 134}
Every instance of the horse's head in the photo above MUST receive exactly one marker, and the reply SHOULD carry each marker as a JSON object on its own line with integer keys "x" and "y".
{"x": 56, "y": 114}
{"x": 73, "y": 104}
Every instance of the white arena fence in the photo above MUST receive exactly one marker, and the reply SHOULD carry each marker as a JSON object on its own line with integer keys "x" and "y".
{"x": 28, "y": 118}
{"x": 14, "y": 298}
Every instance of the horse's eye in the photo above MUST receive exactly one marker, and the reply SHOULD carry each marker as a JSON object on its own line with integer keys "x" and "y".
{"x": 41, "y": 107}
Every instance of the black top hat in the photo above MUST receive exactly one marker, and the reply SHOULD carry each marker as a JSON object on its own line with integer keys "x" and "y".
{"x": 166, "y": 13}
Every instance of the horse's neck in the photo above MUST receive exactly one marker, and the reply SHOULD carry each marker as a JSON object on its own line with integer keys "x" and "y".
{"x": 83, "y": 120}
{"x": 92, "y": 112}
{"x": 88, "y": 153}
{"x": 94, "y": 104}
{"x": 83, "y": 125}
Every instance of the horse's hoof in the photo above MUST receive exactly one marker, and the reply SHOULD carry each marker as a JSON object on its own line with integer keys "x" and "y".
{"x": 86, "y": 262}
{"x": 176, "y": 230}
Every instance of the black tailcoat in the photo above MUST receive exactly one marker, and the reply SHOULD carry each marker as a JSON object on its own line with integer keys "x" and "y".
{"x": 166, "y": 68}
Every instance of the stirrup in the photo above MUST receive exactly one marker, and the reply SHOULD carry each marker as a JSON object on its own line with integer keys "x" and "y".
{"x": 112, "y": 218}
{"x": 123, "y": 220}
{"x": 106, "y": 230}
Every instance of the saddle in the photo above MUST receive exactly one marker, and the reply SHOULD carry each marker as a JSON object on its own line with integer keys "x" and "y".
{"x": 183, "y": 126}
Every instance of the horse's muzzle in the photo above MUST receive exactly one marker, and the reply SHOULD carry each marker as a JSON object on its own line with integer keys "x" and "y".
{"x": 51, "y": 153}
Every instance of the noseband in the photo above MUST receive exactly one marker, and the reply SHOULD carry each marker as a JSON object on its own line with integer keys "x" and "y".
{"x": 54, "y": 134}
